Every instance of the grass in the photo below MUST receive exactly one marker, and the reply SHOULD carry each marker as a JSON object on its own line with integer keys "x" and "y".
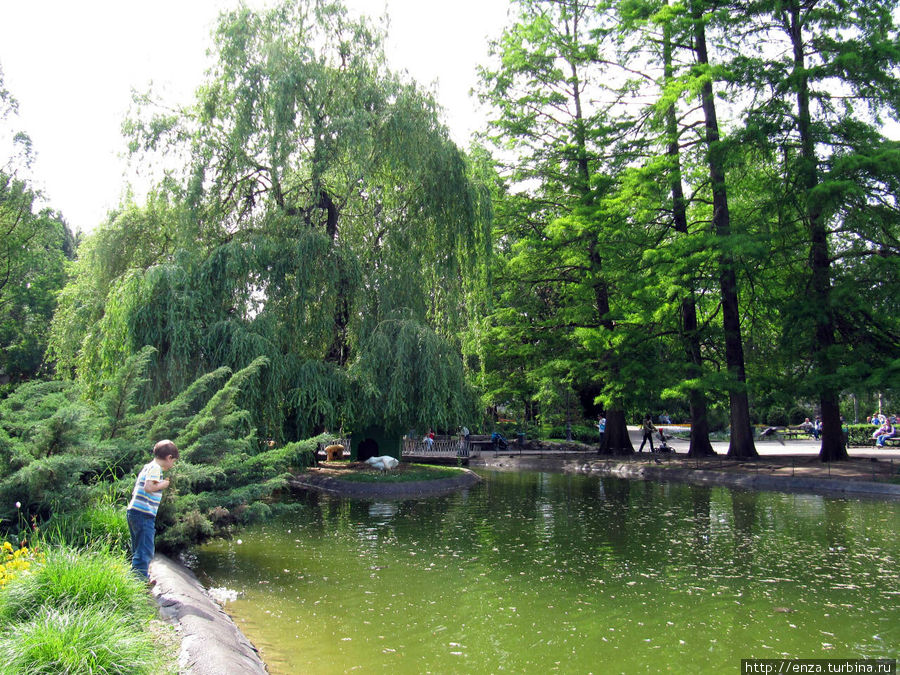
{"x": 405, "y": 473}
{"x": 76, "y": 640}
{"x": 103, "y": 525}
{"x": 79, "y": 611}
{"x": 92, "y": 579}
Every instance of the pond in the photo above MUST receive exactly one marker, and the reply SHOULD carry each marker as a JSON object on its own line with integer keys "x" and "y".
{"x": 537, "y": 572}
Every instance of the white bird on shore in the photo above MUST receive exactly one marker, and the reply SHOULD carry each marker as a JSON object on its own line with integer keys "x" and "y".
{"x": 383, "y": 463}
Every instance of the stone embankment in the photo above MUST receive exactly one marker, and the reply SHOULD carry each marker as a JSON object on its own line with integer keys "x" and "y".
{"x": 211, "y": 644}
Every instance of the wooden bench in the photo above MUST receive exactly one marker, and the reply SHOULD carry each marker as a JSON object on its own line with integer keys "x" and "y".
{"x": 783, "y": 432}
{"x": 479, "y": 442}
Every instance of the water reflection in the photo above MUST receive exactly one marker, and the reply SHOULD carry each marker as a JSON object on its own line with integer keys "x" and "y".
{"x": 382, "y": 512}
{"x": 533, "y": 571}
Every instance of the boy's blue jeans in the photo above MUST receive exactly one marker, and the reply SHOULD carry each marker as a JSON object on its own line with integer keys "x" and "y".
{"x": 143, "y": 529}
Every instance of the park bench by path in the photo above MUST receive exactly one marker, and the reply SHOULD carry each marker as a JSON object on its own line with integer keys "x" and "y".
{"x": 480, "y": 442}
{"x": 779, "y": 433}
{"x": 795, "y": 432}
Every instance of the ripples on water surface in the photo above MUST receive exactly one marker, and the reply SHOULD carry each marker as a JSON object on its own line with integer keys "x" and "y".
{"x": 532, "y": 572}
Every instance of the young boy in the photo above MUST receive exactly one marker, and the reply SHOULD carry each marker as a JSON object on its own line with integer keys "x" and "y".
{"x": 144, "y": 503}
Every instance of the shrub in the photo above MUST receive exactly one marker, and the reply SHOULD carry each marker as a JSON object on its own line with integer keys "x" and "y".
{"x": 76, "y": 579}
{"x": 581, "y": 433}
{"x": 719, "y": 418}
{"x": 798, "y": 414}
{"x": 861, "y": 434}
{"x": 77, "y": 640}
{"x": 777, "y": 417}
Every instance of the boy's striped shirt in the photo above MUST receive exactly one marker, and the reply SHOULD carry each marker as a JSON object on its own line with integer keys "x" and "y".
{"x": 141, "y": 500}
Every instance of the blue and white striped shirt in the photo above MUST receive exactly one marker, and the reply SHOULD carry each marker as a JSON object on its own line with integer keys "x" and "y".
{"x": 141, "y": 500}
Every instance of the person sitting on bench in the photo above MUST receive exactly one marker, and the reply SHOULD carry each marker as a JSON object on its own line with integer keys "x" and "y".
{"x": 885, "y": 431}
{"x": 498, "y": 441}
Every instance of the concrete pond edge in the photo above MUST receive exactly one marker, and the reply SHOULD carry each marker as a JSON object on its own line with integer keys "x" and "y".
{"x": 390, "y": 491}
{"x": 744, "y": 480}
{"x": 211, "y": 643}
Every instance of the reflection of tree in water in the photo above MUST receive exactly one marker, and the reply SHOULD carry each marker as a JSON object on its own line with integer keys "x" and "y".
{"x": 744, "y": 509}
{"x": 618, "y": 502}
{"x": 837, "y": 526}
{"x": 701, "y": 537}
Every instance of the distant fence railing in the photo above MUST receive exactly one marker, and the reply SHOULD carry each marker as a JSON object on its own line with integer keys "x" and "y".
{"x": 450, "y": 447}
{"x": 320, "y": 447}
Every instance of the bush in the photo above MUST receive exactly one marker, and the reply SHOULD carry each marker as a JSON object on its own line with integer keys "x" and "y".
{"x": 777, "y": 417}
{"x": 75, "y": 639}
{"x": 719, "y": 419}
{"x": 798, "y": 414}
{"x": 580, "y": 433}
{"x": 861, "y": 434}
{"x": 92, "y": 580}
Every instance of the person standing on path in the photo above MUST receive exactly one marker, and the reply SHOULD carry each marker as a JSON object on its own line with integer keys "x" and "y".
{"x": 601, "y": 427}
{"x": 142, "y": 508}
{"x": 647, "y": 430}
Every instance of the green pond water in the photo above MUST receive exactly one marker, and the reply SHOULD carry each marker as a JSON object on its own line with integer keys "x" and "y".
{"x": 536, "y": 572}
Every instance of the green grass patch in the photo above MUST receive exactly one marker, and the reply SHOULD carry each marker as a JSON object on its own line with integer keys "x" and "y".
{"x": 74, "y": 580}
{"x": 103, "y": 526}
{"x": 405, "y": 473}
{"x": 77, "y": 640}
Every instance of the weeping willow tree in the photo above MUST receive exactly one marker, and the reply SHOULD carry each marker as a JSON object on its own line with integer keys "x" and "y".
{"x": 320, "y": 197}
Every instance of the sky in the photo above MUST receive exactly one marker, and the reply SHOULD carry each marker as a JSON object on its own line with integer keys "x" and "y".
{"x": 72, "y": 66}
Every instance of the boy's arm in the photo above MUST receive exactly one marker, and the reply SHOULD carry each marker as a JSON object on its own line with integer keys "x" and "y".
{"x": 156, "y": 485}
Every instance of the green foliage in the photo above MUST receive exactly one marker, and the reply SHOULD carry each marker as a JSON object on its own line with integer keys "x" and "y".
{"x": 861, "y": 434}
{"x": 580, "y": 433}
{"x": 84, "y": 640}
{"x": 596, "y": 269}
{"x": 777, "y": 417}
{"x": 797, "y": 414}
{"x": 65, "y": 466}
{"x": 35, "y": 244}
{"x": 408, "y": 376}
{"x": 95, "y": 526}
{"x": 322, "y": 197}
{"x": 76, "y": 579}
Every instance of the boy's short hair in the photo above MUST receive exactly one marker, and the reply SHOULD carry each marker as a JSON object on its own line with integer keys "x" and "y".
{"x": 165, "y": 449}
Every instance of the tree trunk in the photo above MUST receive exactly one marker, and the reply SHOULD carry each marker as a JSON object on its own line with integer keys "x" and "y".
{"x": 741, "y": 442}
{"x": 700, "y": 445}
{"x": 339, "y": 350}
{"x": 833, "y": 447}
{"x": 616, "y": 440}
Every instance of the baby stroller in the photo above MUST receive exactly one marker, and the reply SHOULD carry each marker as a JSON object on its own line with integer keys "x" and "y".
{"x": 664, "y": 447}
